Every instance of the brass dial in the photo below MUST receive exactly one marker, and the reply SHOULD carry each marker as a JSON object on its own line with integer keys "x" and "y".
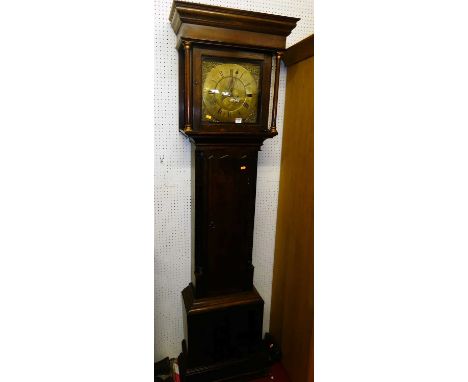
{"x": 230, "y": 92}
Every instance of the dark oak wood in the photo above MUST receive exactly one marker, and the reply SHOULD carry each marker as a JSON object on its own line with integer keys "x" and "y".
{"x": 224, "y": 335}
{"x": 190, "y": 100}
{"x": 227, "y": 25}
{"x": 223, "y": 312}
{"x": 231, "y": 137}
{"x": 235, "y": 39}
{"x": 195, "y": 305}
{"x": 239, "y": 369}
{"x": 224, "y": 206}
{"x": 300, "y": 51}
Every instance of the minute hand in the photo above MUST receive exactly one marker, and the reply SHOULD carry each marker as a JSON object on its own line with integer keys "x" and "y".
{"x": 231, "y": 85}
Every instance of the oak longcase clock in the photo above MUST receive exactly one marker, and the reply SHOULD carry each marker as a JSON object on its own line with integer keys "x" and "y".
{"x": 226, "y": 58}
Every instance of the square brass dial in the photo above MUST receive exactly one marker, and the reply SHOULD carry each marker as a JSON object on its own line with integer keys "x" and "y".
{"x": 231, "y": 90}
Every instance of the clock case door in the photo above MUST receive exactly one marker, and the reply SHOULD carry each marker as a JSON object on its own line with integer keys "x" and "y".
{"x": 236, "y": 56}
{"x": 224, "y": 206}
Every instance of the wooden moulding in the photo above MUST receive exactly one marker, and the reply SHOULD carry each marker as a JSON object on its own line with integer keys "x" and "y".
{"x": 230, "y": 26}
{"x": 300, "y": 51}
{"x": 230, "y": 138}
{"x": 202, "y": 305}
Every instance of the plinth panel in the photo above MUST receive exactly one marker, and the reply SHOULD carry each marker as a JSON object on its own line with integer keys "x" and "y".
{"x": 223, "y": 336}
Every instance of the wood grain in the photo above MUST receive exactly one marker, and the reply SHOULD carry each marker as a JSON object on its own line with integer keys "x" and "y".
{"x": 213, "y": 24}
{"x": 300, "y": 51}
{"x": 234, "y": 38}
{"x": 292, "y": 296}
{"x": 223, "y": 312}
{"x": 229, "y": 18}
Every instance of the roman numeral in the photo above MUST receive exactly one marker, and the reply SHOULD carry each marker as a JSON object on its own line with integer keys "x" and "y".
{"x": 246, "y": 105}
{"x": 249, "y": 95}
{"x": 220, "y": 111}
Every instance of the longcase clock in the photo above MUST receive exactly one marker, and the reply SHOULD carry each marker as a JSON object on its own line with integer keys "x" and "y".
{"x": 225, "y": 70}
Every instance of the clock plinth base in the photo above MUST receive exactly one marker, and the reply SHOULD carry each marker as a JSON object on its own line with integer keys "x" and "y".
{"x": 239, "y": 370}
{"x": 223, "y": 337}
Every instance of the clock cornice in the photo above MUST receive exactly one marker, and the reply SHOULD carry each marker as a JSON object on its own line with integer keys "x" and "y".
{"x": 200, "y": 22}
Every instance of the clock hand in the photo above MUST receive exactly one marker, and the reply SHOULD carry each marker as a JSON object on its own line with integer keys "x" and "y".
{"x": 231, "y": 86}
{"x": 231, "y": 82}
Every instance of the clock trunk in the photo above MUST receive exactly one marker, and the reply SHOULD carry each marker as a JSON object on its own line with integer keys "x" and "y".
{"x": 225, "y": 179}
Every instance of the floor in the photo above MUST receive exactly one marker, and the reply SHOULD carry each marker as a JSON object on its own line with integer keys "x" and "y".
{"x": 277, "y": 374}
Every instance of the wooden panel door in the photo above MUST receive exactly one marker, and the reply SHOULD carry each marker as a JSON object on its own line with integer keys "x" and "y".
{"x": 292, "y": 295}
{"x": 224, "y": 216}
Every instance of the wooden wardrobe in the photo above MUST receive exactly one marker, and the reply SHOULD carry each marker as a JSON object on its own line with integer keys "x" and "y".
{"x": 292, "y": 308}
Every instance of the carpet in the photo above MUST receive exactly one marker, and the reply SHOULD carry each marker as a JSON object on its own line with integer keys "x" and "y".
{"x": 277, "y": 374}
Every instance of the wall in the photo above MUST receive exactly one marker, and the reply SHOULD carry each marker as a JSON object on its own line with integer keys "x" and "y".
{"x": 172, "y": 178}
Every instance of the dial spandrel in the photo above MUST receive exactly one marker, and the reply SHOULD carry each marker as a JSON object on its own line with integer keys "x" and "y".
{"x": 230, "y": 91}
